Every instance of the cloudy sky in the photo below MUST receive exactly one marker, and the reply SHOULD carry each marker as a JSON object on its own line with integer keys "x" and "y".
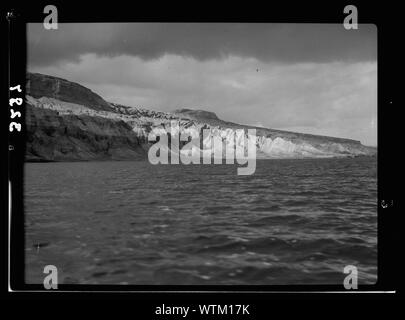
{"x": 313, "y": 78}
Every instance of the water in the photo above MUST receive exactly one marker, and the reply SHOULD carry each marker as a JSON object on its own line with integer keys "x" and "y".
{"x": 292, "y": 222}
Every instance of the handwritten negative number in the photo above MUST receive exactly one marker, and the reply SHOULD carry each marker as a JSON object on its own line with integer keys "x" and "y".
{"x": 15, "y": 114}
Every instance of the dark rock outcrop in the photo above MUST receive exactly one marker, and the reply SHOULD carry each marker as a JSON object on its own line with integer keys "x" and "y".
{"x": 55, "y": 137}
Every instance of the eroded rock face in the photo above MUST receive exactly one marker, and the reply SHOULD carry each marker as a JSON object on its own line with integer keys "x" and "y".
{"x": 40, "y": 85}
{"x": 66, "y": 121}
{"x": 55, "y": 137}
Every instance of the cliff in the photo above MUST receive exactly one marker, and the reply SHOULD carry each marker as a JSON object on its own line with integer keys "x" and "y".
{"x": 66, "y": 121}
{"x": 40, "y": 85}
{"x": 196, "y": 114}
{"x": 55, "y": 137}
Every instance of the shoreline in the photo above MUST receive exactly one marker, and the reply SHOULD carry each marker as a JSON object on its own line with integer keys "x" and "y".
{"x": 137, "y": 160}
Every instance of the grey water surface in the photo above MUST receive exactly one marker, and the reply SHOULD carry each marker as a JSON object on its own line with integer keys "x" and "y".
{"x": 130, "y": 222}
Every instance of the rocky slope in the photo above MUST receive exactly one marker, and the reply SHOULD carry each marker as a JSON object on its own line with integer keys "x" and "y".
{"x": 66, "y": 121}
{"x": 40, "y": 85}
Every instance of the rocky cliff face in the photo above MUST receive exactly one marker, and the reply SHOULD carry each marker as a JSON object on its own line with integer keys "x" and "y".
{"x": 40, "y": 85}
{"x": 55, "y": 137}
{"x": 66, "y": 121}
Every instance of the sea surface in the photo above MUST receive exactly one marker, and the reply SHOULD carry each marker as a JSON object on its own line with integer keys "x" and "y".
{"x": 130, "y": 222}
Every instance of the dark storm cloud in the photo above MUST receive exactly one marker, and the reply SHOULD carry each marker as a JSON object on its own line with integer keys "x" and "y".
{"x": 285, "y": 43}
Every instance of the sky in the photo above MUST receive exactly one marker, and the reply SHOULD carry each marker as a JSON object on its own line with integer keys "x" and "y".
{"x": 311, "y": 78}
